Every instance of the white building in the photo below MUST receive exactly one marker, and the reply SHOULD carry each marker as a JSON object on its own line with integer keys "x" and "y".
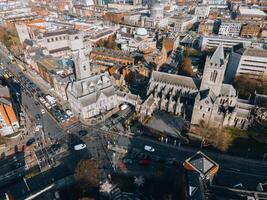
{"x": 202, "y": 11}
{"x": 231, "y": 29}
{"x": 93, "y": 95}
{"x": 61, "y": 42}
{"x": 210, "y": 42}
{"x": 182, "y": 23}
{"x": 157, "y": 11}
{"x": 253, "y": 63}
{"x": 214, "y": 2}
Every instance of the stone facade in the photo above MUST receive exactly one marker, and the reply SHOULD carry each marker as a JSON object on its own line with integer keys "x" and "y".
{"x": 93, "y": 95}
{"x": 209, "y": 100}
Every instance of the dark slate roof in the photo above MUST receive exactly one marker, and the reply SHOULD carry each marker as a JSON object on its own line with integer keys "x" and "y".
{"x": 201, "y": 163}
{"x": 178, "y": 80}
{"x": 204, "y": 94}
{"x": 28, "y": 42}
{"x": 60, "y": 32}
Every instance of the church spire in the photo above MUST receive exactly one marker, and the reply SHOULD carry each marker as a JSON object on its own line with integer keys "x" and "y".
{"x": 82, "y": 65}
{"x": 217, "y": 58}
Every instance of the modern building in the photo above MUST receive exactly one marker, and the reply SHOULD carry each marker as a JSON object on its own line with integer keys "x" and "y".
{"x": 8, "y": 119}
{"x": 212, "y": 42}
{"x": 230, "y": 29}
{"x": 253, "y": 63}
{"x": 200, "y": 170}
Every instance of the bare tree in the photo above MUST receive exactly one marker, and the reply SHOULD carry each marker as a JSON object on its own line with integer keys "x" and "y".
{"x": 219, "y": 138}
{"x": 186, "y": 68}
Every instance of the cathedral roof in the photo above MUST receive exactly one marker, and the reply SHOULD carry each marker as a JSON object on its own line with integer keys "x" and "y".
{"x": 93, "y": 84}
{"x": 207, "y": 94}
{"x": 228, "y": 90}
{"x": 93, "y": 97}
{"x": 177, "y": 80}
{"x": 218, "y": 56}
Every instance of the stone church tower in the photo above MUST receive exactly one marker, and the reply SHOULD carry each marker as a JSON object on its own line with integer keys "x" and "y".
{"x": 214, "y": 70}
{"x": 82, "y": 65}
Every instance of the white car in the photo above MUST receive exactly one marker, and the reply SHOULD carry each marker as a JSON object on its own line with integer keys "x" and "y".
{"x": 42, "y": 111}
{"x": 79, "y": 147}
{"x": 149, "y": 148}
{"x": 123, "y": 106}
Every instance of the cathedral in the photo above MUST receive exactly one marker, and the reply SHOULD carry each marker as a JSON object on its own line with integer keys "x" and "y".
{"x": 93, "y": 95}
{"x": 196, "y": 100}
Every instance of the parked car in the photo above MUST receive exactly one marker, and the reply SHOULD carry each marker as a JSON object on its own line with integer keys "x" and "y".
{"x": 42, "y": 111}
{"x": 69, "y": 113}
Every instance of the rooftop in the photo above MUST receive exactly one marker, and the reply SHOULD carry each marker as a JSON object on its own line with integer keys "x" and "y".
{"x": 201, "y": 164}
{"x": 174, "y": 79}
{"x": 49, "y": 63}
{"x": 251, "y": 11}
{"x": 255, "y": 52}
{"x": 60, "y": 32}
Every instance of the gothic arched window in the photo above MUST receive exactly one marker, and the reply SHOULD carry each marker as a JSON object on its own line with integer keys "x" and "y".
{"x": 84, "y": 68}
{"x": 213, "y": 76}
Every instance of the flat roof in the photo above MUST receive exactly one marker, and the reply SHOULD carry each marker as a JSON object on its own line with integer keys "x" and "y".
{"x": 255, "y": 52}
{"x": 251, "y": 11}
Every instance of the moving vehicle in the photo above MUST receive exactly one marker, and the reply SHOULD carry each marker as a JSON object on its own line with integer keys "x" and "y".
{"x": 79, "y": 147}
{"x": 149, "y": 148}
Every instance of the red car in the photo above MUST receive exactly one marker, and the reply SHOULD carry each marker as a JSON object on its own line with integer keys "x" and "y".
{"x": 144, "y": 162}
